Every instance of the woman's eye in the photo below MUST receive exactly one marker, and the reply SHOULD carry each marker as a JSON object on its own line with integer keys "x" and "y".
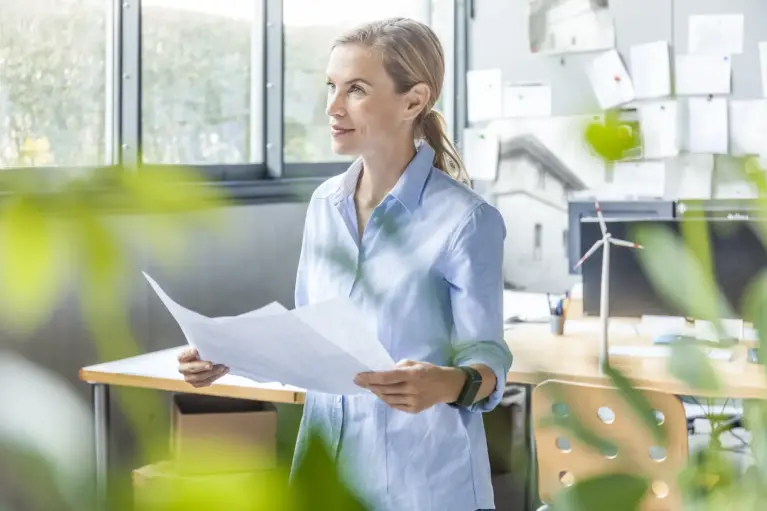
{"x": 356, "y": 89}
{"x": 330, "y": 86}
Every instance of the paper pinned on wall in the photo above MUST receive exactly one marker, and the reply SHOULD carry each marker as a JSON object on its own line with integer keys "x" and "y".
{"x": 660, "y": 129}
{"x": 484, "y": 94}
{"x": 481, "y": 153}
{"x": 651, "y": 70}
{"x": 695, "y": 175}
{"x": 527, "y": 100}
{"x": 716, "y": 33}
{"x": 639, "y": 179}
{"x": 738, "y": 189}
{"x": 610, "y": 80}
{"x": 707, "y": 125}
{"x": 703, "y": 74}
{"x": 763, "y": 66}
{"x": 748, "y": 127}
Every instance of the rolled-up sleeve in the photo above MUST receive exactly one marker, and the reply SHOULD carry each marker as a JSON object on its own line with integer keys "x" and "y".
{"x": 474, "y": 269}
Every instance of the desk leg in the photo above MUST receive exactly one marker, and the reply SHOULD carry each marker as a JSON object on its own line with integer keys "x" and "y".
{"x": 532, "y": 499}
{"x": 101, "y": 441}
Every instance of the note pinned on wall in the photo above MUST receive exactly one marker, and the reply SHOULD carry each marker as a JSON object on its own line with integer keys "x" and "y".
{"x": 651, "y": 70}
{"x": 481, "y": 153}
{"x": 641, "y": 179}
{"x": 707, "y": 125}
{"x": 527, "y": 100}
{"x": 763, "y": 66}
{"x": 703, "y": 74}
{"x": 738, "y": 189}
{"x": 659, "y": 123}
{"x": 484, "y": 94}
{"x": 695, "y": 177}
{"x": 748, "y": 127}
{"x": 610, "y": 80}
{"x": 716, "y": 34}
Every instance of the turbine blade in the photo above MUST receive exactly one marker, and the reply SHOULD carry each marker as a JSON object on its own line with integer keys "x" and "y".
{"x": 625, "y": 243}
{"x": 601, "y": 218}
{"x": 588, "y": 254}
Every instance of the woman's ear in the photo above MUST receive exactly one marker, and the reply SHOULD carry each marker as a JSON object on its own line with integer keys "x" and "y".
{"x": 416, "y": 100}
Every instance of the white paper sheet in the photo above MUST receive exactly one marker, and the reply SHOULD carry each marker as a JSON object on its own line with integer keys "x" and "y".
{"x": 660, "y": 129}
{"x": 524, "y": 306}
{"x": 660, "y": 325}
{"x": 321, "y": 347}
{"x": 485, "y": 95}
{"x": 641, "y": 179}
{"x": 703, "y": 74}
{"x": 695, "y": 175}
{"x": 707, "y": 125}
{"x": 705, "y": 330}
{"x": 716, "y": 33}
{"x": 763, "y": 66}
{"x": 527, "y": 100}
{"x": 748, "y": 127}
{"x": 651, "y": 70}
{"x": 610, "y": 80}
{"x": 738, "y": 189}
{"x": 480, "y": 153}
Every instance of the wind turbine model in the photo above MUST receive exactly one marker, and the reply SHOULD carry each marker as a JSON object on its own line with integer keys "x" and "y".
{"x": 604, "y": 301}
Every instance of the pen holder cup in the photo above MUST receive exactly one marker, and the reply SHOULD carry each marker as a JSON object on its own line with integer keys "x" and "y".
{"x": 557, "y": 325}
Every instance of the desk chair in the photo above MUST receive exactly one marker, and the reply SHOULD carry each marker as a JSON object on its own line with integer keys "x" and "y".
{"x": 562, "y": 460}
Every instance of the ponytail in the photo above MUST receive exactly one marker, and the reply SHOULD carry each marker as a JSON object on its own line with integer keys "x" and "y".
{"x": 446, "y": 158}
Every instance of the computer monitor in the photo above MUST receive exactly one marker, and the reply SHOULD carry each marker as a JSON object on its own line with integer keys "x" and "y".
{"x": 583, "y": 209}
{"x": 738, "y": 256}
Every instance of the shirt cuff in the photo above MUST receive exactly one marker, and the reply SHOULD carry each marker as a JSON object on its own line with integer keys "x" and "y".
{"x": 498, "y": 360}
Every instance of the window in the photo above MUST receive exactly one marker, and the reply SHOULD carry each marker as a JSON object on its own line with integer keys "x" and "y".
{"x": 53, "y": 83}
{"x": 541, "y": 178}
{"x": 201, "y": 67}
{"x": 537, "y": 242}
{"x": 310, "y": 28}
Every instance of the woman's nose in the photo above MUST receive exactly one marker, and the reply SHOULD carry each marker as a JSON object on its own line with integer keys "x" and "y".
{"x": 335, "y": 106}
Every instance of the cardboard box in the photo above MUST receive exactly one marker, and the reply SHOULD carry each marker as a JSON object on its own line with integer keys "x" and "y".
{"x": 214, "y": 435}
{"x": 162, "y": 486}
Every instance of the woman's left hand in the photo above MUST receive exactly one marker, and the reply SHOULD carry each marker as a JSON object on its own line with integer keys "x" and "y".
{"x": 414, "y": 386}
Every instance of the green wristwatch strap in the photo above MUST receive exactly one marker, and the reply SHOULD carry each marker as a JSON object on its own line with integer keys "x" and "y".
{"x": 470, "y": 387}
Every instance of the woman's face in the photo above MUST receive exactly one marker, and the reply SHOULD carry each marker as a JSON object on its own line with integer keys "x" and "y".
{"x": 367, "y": 115}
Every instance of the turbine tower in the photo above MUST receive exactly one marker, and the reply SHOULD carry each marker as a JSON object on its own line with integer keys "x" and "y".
{"x": 604, "y": 299}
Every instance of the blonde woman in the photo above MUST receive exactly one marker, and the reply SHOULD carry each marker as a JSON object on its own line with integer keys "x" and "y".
{"x": 426, "y": 254}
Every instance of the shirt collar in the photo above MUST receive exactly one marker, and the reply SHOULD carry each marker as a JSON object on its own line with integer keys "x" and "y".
{"x": 410, "y": 185}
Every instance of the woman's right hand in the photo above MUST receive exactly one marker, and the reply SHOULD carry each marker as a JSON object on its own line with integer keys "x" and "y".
{"x": 199, "y": 373}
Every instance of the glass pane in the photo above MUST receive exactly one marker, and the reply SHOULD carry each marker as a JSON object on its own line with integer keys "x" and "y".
{"x": 197, "y": 71}
{"x": 310, "y": 28}
{"x": 52, "y": 83}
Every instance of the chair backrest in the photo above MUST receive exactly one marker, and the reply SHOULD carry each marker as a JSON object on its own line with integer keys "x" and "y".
{"x": 563, "y": 460}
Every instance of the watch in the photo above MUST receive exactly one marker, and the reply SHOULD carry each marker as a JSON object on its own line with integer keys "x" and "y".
{"x": 470, "y": 387}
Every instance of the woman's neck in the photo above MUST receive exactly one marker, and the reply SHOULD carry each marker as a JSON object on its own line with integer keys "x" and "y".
{"x": 380, "y": 172}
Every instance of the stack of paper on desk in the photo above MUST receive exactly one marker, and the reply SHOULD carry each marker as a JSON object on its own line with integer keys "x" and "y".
{"x": 320, "y": 347}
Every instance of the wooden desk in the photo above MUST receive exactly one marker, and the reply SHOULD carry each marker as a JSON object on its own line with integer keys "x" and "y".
{"x": 572, "y": 357}
{"x": 575, "y": 357}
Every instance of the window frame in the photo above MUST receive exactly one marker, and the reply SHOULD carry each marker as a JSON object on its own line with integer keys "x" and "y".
{"x": 271, "y": 179}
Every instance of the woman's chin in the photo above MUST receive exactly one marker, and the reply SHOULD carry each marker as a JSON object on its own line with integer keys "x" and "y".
{"x": 342, "y": 149}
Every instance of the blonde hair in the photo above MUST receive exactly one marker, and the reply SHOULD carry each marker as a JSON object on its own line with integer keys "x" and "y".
{"x": 412, "y": 54}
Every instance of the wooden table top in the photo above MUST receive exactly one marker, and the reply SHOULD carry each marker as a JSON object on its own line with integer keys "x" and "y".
{"x": 574, "y": 357}
{"x": 538, "y": 355}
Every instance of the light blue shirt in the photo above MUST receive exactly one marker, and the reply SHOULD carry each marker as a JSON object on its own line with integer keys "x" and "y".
{"x": 427, "y": 272}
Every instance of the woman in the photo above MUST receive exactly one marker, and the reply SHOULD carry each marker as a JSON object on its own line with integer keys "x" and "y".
{"x": 420, "y": 254}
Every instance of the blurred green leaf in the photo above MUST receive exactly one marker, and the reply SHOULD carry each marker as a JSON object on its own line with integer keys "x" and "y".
{"x": 638, "y": 403}
{"x": 316, "y": 483}
{"x": 30, "y": 269}
{"x": 755, "y": 418}
{"x": 579, "y": 431}
{"x": 609, "y": 492}
{"x": 690, "y": 364}
{"x": 611, "y": 138}
{"x": 678, "y": 275}
{"x": 754, "y": 307}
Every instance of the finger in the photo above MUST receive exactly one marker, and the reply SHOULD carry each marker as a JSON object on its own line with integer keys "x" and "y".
{"x": 406, "y": 363}
{"x": 188, "y": 355}
{"x": 199, "y": 366}
{"x": 394, "y": 389}
{"x": 208, "y": 377}
{"x": 396, "y": 399}
{"x": 382, "y": 378}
